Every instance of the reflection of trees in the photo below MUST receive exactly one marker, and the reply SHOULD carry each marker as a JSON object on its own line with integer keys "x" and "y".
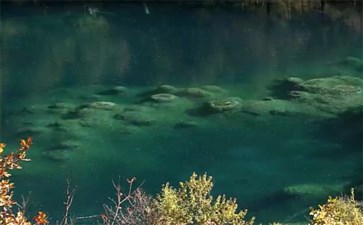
{"x": 201, "y": 45}
{"x": 23, "y": 56}
{"x": 348, "y": 11}
{"x": 212, "y": 45}
{"x": 99, "y": 53}
{"x": 44, "y": 51}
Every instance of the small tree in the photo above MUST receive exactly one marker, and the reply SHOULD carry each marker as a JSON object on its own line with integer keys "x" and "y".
{"x": 133, "y": 207}
{"x": 193, "y": 204}
{"x": 8, "y": 162}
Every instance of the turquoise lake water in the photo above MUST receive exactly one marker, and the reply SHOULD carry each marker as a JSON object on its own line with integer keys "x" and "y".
{"x": 69, "y": 54}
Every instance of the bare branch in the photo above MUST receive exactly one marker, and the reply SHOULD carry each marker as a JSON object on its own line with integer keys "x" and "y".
{"x": 131, "y": 208}
{"x": 67, "y": 204}
{"x": 23, "y": 205}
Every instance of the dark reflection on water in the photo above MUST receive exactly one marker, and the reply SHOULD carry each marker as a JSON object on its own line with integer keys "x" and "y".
{"x": 56, "y": 53}
{"x": 58, "y": 45}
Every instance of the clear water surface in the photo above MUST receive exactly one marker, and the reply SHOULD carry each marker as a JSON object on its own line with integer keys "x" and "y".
{"x": 64, "y": 53}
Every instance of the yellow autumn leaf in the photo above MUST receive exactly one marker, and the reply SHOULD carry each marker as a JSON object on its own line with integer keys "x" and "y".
{"x": 2, "y": 146}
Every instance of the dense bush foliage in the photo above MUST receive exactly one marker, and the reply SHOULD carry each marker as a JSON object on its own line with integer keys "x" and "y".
{"x": 338, "y": 211}
{"x": 193, "y": 204}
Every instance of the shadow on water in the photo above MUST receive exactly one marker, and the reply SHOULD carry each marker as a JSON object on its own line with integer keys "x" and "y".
{"x": 345, "y": 129}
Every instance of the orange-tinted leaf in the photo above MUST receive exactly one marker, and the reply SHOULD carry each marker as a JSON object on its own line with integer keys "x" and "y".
{"x": 41, "y": 218}
{"x": 2, "y": 146}
{"x": 25, "y": 144}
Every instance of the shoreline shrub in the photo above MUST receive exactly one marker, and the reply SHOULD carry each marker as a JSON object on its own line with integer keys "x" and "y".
{"x": 192, "y": 203}
{"x": 344, "y": 210}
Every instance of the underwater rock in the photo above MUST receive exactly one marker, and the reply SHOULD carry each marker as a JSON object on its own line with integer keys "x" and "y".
{"x": 101, "y": 105}
{"x": 352, "y": 62}
{"x": 330, "y": 95}
{"x": 308, "y": 98}
{"x": 214, "y": 89}
{"x": 195, "y": 93}
{"x": 312, "y": 190}
{"x": 138, "y": 108}
{"x": 185, "y": 125}
{"x": 166, "y": 89}
{"x": 336, "y": 86}
{"x": 268, "y": 98}
{"x": 63, "y": 146}
{"x": 163, "y": 97}
{"x": 281, "y": 88}
{"x": 85, "y": 123}
{"x": 73, "y": 114}
{"x": 280, "y": 113}
{"x": 299, "y": 94}
{"x": 169, "y": 89}
{"x": 135, "y": 118}
{"x": 90, "y": 97}
{"x": 223, "y": 105}
{"x": 118, "y": 90}
{"x": 56, "y": 126}
{"x": 292, "y": 193}
{"x": 295, "y": 80}
{"x": 57, "y": 156}
{"x": 97, "y": 120}
{"x": 89, "y": 109}
{"x": 60, "y": 107}
{"x": 100, "y": 116}
{"x": 257, "y": 108}
{"x": 277, "y": 107}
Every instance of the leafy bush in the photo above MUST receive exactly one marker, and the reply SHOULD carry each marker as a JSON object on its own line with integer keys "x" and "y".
{"x": 193, "y": 204}
{"x": 8, "y": 162}
{"x": 338, "y": 211}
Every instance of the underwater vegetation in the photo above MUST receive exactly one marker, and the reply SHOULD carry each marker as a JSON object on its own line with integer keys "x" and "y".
{"x": 191, "y": 203}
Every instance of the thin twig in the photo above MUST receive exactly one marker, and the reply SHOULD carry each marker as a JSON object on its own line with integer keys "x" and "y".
{"x": 129, "y": 208}
{"x": 67, "y": 204}
{"x": 24, "y": 203}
